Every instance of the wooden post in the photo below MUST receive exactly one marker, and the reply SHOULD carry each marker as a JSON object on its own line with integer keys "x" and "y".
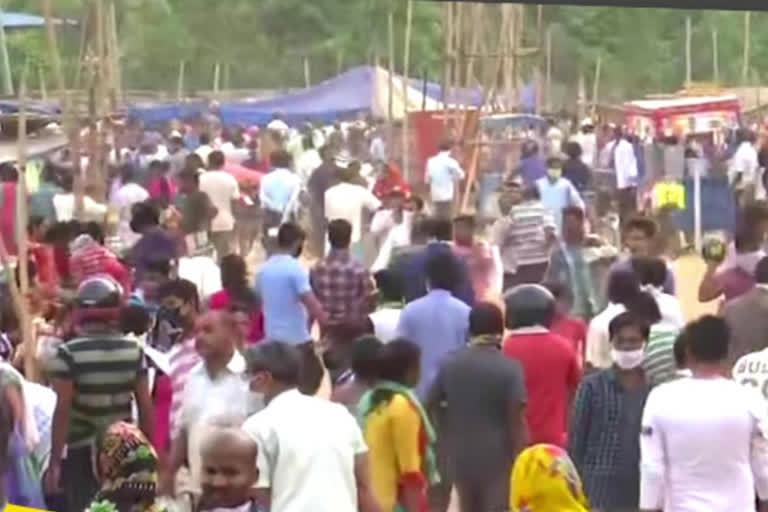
{"x": 447, "y": 49}
{"x": 458, "y": 47}
{"x": 53, "y": 50}
{"x": 745, "y": 57}
{"x": 339, "y": 60}
{"x": 509, "y": 47}
{"x": 117, "y": 75}
{"x": 406, "y": 63}
{"x": 391, "y": 55}
{"x": 715, "y": 58}
{"x": 596, "y": 85}
{"x": 307, "y": 80}
{"x": 41, "y": 83}
{"x": 477, "y": 13}
{"x": 180, "y": 81}
{"x": 688, "y": 70}
{"x": 548, "y": 83}
{"x": 217, "y": 78}
{"x": 581, "y": 103}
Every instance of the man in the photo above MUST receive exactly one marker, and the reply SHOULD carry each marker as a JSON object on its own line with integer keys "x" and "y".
{"x": 639, "y": 236}
{"x": 278, "y": 125}
{"x": 178, "y": 153}
{"x": 322, "y": 178}
{"x": 573, "y": 263}
{"x": 743, "y": 167}
{"x": 204, "y": 149}
{"x": 41, "y": 202}
{"x": 64, "y": 203}
{"x": 482, "y": 259}
{"x": 277, "y": 192}
{"x": 197, "y": 212}
{"x": 304, "y": 435}
{"x": 385, "y": 318}
{"x": 216, "y": 386}
{"x": 587, "y": 139}
{"x": 478, "y": 394}
{"x": 605, "y": 424}
{"x": 129, "y": 193}
{"x": 410, "y": 266}
{"x": 564, "y": 324}
{"x": 557, "y": 193}
{"x": 345, "y": 290}
{"x": 549, "y": 362}
{"x": 288, "y": 303}
{"x": 748, "y": 315}
{"x": 222, "y": 189}
{"x": 96, "y": 376}
{"x": 524, "y": 235}
{"x": 438, "y": 322}
{"x": 684, "y": 419}
{"x": 402, "y": 218}
{"x": 625, "y": 167}
{"x": 229, "y": 469}
{"x": 554, "y": 138}
{"x": 349, "y": 200}
{"x": 443, "y": 175}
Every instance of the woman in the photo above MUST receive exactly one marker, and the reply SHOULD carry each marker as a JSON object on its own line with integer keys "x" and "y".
{"x": 237, "y": 296}
{"x": 545, "y": 480}
{"x": 127, "y": 468}
{"x": 19, "y": 434}
{"x": 398, "y": 433}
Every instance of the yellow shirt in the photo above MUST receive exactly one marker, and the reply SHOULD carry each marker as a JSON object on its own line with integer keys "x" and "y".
{"x": 396, "y": 441}
{"x": 669, "y": 193}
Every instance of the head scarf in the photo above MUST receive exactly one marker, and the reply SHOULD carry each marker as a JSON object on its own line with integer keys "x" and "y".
{"x": 544, "y": 479}
{"x": 128, "y": 469}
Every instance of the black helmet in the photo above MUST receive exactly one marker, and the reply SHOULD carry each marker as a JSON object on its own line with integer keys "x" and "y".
{"x": 529, "y": 305}
{"x": 98, "y": 292}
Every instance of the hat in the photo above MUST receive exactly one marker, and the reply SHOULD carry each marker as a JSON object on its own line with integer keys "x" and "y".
{"x": 175, "y": 134}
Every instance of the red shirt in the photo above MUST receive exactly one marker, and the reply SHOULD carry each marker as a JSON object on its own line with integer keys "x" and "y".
{"x": 574, "y": 330}
{"x": 552, "y": 374}
{"x": 389, "y": 182}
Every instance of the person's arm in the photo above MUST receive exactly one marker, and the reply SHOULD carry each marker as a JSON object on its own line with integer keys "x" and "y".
{"x": 314, "y": 308}
{"x": 264, "y": 197}
{"x": 176, "y": 460}
{"x": 369, "y": 294}
{"x": 406, "y": 430}
{"x": 653, "y": 459}
{"x": 710, "y": 287}
{"x": 372, "y": 202}
{"x": 578, "y": 428}
{"x": 366, "y": 500}
{"x": 144, "y": 405}
{"x": 65, "y": 393}
{"x": 575, "y": 197}
{"x": 758, "y": 456}
{"x": 458, "y": 172}
{"x": 593, "y": 345}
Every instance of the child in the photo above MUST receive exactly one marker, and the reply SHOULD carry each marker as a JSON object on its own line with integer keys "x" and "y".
{"x": 229, "y": 470}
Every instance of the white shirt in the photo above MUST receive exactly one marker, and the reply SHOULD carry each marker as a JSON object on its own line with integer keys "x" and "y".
{"x": 385, "y": 323}
{"x": 443, "y": 171}
{"x": 64, "y": 205}
{"x": 347, "y": 201}
{"x": 203, "y": 272}
{"x": 203, "y": 152}
{"x": 307, "y": 163}
{"x": 206, "y": 399}
{"x": 309, "y": 466}
{"x": 625, "y": 164}
{"x": 703, "y": 447}
{"x": 751, "y": 371}
{"x": 588, "y": 143}
{"x": 744, "y": 161}
{"x": 670, "y": 308}
{"x": 398, "y": 236}
{"x": 598, "y": 347}
{"x": 278, "y": 125}
{"x": 222, "y": 189}
{"x": 125, "y": 197}
{"x": 555, "y": 137}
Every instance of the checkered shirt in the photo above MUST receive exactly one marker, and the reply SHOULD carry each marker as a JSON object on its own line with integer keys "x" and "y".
{"x": 343, "y": 286}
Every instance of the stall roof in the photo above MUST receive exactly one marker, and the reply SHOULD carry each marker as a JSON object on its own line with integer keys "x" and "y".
{"x": 673, "y": 103}
{"x": 13, "y": 20}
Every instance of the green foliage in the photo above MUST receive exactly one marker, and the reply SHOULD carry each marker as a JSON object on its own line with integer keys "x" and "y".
{"x": 262, "y": 43}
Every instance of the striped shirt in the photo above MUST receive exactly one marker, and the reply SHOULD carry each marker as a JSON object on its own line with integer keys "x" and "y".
{"x": 104, "y": 371}
{"x": 659, "y": 364}
{"x": 521, "y": 236}
{"x": 183, "y": 357}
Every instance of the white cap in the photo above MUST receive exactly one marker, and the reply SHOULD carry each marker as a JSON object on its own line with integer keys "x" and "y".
{"x": 176, "y": 134}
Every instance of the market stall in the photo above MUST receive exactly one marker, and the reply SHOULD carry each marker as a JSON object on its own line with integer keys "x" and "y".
{"x": 682, "y": 115}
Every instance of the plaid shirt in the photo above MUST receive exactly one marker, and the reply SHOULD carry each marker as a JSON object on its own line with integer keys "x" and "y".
{"x": 343, "y": 286}
{"x": 604, "y": 440}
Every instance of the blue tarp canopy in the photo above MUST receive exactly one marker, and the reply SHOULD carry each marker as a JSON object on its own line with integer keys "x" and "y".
{"x": 12, "y": 20}
{"x": 39, "y": 108}
{"x": 152, "y": 114}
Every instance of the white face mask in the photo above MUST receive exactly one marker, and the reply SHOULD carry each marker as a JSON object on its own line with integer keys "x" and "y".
{"x": 628, "y": 359}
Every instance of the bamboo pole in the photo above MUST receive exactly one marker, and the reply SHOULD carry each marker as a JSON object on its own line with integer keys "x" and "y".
{"x": 476, "y": 13}
{"x": 447, "y": 50}
{"x": 180, "y": 81}
{"x": 84, "y": 31}
{"x": 688, "y": 68}
{"x": 217, "y": 78}
{"x": 745, "y": 57}
{"x": 117, "y": 75}
{"x": 715, "y": 57}
{"x": 53, "y": 50}
{"x": 391, "y": 58}
{"x": 596, "y": 85}
{"x": 19, "y": 306}
{"x": 548, "y": 82}
{"x": 406, "y": 64}
{"x": 581, "y": 103}
{"x": 307, "y": 80}
{"x": 508, "y": 13}
{"x": 41, "y": 82}
{"x": 458, "y": 46}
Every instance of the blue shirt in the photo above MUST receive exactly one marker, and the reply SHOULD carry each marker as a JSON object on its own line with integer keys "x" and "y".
{"x": 558, "y": 195}
{"x": 277, "y": 189}
{"x": 413, "y": 276}
{"x": 41, "y": 202}
{"x": 532, "y": 169}
{"x": 281, "y": 283}
{"x": 439, "y": 324}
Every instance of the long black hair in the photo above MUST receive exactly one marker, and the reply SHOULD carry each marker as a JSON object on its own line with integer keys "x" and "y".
{"x": 396, "y": 360}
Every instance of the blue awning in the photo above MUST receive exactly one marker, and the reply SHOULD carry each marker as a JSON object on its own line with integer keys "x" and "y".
{"x": 13, "y": 20}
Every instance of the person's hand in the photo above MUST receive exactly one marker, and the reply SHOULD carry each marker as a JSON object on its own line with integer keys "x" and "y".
{"x": 51, "y": 478}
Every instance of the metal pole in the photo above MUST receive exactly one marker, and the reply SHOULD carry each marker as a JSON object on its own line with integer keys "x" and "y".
{"x": 7, "y": 79}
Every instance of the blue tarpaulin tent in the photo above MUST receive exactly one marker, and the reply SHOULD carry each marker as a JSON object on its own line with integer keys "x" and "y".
{"x": 12, "y": 20}
{"x": 152, "y": 114}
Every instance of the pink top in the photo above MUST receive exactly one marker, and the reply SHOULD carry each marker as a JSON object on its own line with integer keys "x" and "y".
{"x": 183, "y": 357}
{"x": 221, "y": 300}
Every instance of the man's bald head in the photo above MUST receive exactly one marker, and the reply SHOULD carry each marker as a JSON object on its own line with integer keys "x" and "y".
{"x": 229, "y": 467}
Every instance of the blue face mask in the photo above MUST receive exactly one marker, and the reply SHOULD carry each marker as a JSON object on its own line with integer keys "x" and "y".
{"x": 169, "y": 326}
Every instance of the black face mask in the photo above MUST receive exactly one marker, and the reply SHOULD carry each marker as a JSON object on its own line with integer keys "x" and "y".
{"x": 169, "y": 326}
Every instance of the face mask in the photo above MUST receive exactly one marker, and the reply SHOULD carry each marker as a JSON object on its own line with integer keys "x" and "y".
{"x": 554, "y": 173}
{"x": 628, "y": 359}
{"x": 168, "y": 328}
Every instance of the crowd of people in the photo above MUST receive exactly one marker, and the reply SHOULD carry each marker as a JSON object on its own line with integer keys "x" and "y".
{"x": 172, "y": 349}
